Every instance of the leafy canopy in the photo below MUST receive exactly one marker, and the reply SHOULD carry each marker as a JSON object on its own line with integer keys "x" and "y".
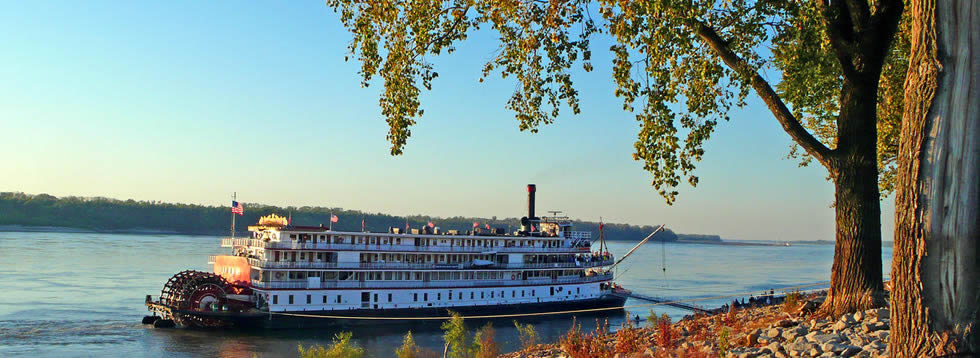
{"x": 672, "y": 66}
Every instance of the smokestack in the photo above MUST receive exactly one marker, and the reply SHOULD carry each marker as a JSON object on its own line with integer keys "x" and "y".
{"x": 530, "y": 200}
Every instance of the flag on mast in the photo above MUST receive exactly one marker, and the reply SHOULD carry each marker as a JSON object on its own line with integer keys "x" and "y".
{"x": 362, "y": 225}
{"x": 431, "y": 224}
{"x": 333, "y": 218}
{"x": 237, "y": 208}
{"x": 476, "y": 224}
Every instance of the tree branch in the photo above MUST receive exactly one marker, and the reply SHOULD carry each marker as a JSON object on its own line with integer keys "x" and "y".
{"x": 884, "y": 25}
{"x": 841, "y": 35}
{"x": 783, "y": 115}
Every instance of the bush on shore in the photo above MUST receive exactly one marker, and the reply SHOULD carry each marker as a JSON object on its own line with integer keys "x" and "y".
{"x": 340, "y": 348}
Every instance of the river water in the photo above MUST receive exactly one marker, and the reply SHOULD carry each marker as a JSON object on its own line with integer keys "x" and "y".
{"x": 81, "y": 294}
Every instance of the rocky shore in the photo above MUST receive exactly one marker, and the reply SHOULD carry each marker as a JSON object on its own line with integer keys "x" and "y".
{"x": 786, "y": 330}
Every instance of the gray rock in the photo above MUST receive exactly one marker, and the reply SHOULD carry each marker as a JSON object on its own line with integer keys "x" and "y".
{"x": 858, "y": 316}
{"x": 850, "y": 351}
{"x": 790, "y": 335}
{"x": 834, "y": 347}
{"x": 881, "y": 335}
{"x": 839, "y": 326}
{"x": 857, "y": 340}
{"x": 882, "y": 313}
{"x": 774, "y": 347}
{"x": 819, "y": 337}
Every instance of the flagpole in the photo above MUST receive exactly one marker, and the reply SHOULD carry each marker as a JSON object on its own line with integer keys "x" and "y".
{"x": 331, "y": 221}
{"x": 234, "y": 198}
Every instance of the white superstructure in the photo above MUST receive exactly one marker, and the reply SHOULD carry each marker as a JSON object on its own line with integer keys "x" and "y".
{"x": 298, "y": 268}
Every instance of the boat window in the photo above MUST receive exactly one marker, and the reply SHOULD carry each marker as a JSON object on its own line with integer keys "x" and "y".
{"x": 415, "y": 298}
{"x": 425, "y": 297}
{"x": 389, "y": 297}
{"x": 324, "y": 298}
{"x": 290, "y": 299}
{"x": 275, "y": 299}
{"x": 338, "y": 298}
{"x": 309, "y": 299}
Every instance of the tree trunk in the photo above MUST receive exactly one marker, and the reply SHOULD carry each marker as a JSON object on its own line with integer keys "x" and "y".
{"x": 935, "y": 273}
{"x": 855, "y": 278}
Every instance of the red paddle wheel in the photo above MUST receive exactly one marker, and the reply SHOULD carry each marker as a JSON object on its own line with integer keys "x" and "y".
{"x": 196, "y": 291}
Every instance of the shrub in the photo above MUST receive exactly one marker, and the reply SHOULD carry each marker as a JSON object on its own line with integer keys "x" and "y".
{"x": 527, "y": 335}
{"x": 484, "y": 344}
{"x": 627, "y": 339}
{"x": 698, "y": 329}
{"x": 723, "y": 342}
{"x": 411, "y": 350}
{"x": 455, "y": 336}
{"x": 731, "y": 319}
{"x": 792, "y": 301}
{"x": 652, "y": 318}
{"x": 666, "y": 334}
{"x": 341, "y": 347}
{"x": 578, "y": 345}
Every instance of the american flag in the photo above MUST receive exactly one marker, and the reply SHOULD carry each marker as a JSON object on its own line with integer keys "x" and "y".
{"x": 476, "y": 224}
{"x": 488, "y": 226}
{"x": 431, "y": 224}
{"x": 333, "y": 218}
{"x": 237, "y": 208}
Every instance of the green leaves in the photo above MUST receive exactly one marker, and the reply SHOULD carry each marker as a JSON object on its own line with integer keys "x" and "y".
{"x": 687, "y": 63}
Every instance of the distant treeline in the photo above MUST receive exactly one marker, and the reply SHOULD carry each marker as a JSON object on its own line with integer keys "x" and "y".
{"x": 105, "y": 214}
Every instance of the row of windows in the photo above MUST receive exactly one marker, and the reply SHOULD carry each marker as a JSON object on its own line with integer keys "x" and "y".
{"x": 383, "y": 240}
{"x": 365, "y": 296}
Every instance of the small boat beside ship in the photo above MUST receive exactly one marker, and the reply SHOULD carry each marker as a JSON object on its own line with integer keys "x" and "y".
{"x": 286, "y": 275}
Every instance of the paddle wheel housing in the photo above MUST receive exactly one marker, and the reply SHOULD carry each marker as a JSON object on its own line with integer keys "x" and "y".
{"x": 198, "y": 291}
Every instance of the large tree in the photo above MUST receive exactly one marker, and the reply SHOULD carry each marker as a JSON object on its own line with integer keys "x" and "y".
{"x": 935, "y": 272}
{"x": 681, "y": 66}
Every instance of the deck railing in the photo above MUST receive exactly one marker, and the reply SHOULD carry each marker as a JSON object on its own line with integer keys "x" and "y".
{"x": 292, "y": 245}
{"x": 427, "y": 284}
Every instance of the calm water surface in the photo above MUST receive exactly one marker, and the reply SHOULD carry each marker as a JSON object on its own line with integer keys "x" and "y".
{"x": 71, "y": 294}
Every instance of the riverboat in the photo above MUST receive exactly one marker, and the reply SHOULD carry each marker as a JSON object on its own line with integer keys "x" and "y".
{"x": 286, "y": 275}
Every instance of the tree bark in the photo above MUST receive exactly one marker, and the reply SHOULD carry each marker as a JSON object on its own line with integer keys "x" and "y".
{"x": 935, "y": 273}
{"x": 855, "y": 278}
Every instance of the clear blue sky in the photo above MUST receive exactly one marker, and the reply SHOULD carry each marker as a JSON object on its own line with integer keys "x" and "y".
{"x": 187, "y": 101}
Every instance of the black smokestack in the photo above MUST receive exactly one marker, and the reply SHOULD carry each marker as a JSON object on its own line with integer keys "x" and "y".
{"x": 530, "y": 200}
